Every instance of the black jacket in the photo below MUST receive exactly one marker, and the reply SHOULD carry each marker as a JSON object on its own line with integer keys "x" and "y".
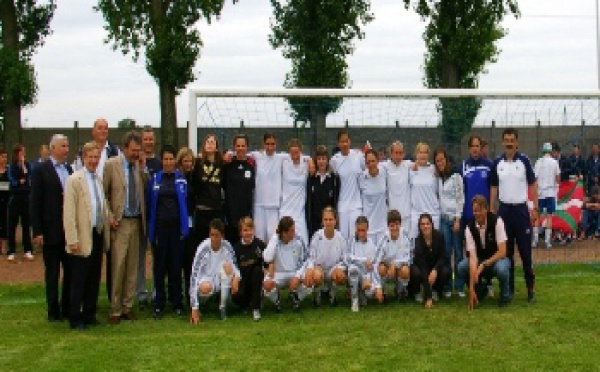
{"x": 429, "y": 258}
{"x": 46, "y": 203}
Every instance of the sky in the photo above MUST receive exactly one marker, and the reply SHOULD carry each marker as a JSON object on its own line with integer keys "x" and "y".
{"x": 551, "y": 47}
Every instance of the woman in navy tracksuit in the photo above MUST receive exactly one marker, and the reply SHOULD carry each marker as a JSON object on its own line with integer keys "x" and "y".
{"x": 168, "y": 226}
{"x": 19, "y": 175}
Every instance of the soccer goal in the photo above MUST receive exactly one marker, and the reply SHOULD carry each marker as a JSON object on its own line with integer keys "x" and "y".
{"x": 438, "y": 117}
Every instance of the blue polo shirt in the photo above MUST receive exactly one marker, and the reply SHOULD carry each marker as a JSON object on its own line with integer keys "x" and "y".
{"x": 476, "y": 179}
{"x": 512, "y": 178}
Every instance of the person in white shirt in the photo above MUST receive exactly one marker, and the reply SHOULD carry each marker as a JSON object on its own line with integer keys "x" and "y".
{"x": 423, "y": 190}
{"x": 395, "y": 255}
{"x": 325, "y": 267}
{"x": 361, "y": 261}
{"x": 286, "y": 257}
{"x": 373, "y": 192}
{"x": 267, "y": 193}
{"x": 452, "y": 203}
{"x": 547, "y": 174}
{"x": 214, "y": 270}
{"x": 397, "y": 173}
{"x": 294, "y": 169}
{"x": 348, "y": 164}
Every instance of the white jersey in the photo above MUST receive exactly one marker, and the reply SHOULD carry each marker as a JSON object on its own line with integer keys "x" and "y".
{"x": 395, "y": 251}
{"x": 208, "y": 264}
{"x": 325, "y": 252}
{"x": 546, "y": 169}
{"x": 349, "y": 168}
{"x": 267, "y": 192}
{"x": 373, "y": 191}
{"x": 288, "y": 257}
{"x": 424, "y": 191}
{"x": 398, "y": 186}
{"x": 360, "y": 252}
{"x": 293, "y": 189}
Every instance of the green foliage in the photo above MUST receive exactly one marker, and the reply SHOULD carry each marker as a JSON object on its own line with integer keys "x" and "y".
{"x": 563, "y": 324}
{"x": 127, "y": 123}
{"x": 461, "y": 37}
{"x": 165, "y": 30}
{"x": 17, "y": 79}
{"x": 317, "y": 36}
{"x": 33, "y": 21}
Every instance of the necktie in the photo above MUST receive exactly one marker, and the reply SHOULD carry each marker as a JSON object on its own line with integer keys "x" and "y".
{"x": 99, "y": 219}
{"x": 131, "y": 191}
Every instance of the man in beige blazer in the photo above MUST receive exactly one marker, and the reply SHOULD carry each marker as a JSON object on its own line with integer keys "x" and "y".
{"x": 86, "y": 220}
{"x": 124, "y": 186}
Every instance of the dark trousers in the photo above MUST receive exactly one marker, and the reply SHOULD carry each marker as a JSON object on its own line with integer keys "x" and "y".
{"x": 420, "y": 278}
{"x": 188, "y": 259}
{"x": 168, "y": 255}
{"x": 250, "y": 291}
{"x": 518, "y": 230}
{"x": 18, "y": 208}
{"x": 85, "y": 283}
{"x": 55, "y": 256}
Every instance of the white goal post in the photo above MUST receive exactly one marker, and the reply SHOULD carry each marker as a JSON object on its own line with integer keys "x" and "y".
{"x": 549, "y": 105}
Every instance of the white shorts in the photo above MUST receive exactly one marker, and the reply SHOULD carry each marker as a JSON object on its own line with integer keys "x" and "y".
{"x": 282, "y": 279}
{"x": 327, "y": 272}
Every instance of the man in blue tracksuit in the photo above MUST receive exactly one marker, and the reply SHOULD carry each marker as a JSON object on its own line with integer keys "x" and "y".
{"x": 167, "y": 227}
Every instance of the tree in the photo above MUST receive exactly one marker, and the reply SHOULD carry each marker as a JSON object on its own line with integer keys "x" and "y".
{"x": 25, "y": 25}
{"x": 127, "y": 123}
{"x": 461, "y": 39}
{"x": 166, "y": 31}
{"x": 317, "y": 36}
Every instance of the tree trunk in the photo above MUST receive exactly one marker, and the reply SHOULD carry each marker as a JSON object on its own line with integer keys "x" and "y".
{"x": 168, "y": 115}
{"x": 318, "y": 120}
{"x": 10, "y": 44}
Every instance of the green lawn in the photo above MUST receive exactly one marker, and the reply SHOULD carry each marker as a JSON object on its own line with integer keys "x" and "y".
{"x": 560, "y": 332}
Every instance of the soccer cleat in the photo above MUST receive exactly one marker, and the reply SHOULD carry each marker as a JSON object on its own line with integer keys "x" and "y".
{"x": 355, "y": 305}
{"x": 256, "y": 315}
{"x": 28, "y": 256}
{"x": 447, "y": 294}
{"x": 461, "y": 294}
{"x": 403, "y": 295}
{"x": 419, "y": 298}
{"x": 362, "y": 299}
{"x": 531, "y": 297}
{"x": 222, "y": 313}
{"x": 278, "y": 308}
{"x": 157, "y": 314}
{"x": 435, "y": 296}
{"x": 11, "y": 258}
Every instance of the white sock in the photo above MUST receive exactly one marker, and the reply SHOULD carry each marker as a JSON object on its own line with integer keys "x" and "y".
{"x": 548, "y": 234}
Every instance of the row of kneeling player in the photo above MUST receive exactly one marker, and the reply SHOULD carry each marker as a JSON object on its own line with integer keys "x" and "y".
{"x": 251, "y": 270}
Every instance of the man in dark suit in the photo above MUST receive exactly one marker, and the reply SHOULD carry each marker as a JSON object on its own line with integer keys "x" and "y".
{"x": 46, "y": 205}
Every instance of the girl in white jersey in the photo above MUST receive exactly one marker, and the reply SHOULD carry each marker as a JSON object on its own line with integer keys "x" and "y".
{"x": 373, "y": 190}
{"x": 348, "y": 164}
{"x": 294, "y": 171}
{"x": 267, "y": 194}
{"x": 361, "y": 261}
{"x": 397, "y": 172}
{"x": 325, "y": 267}
{"x": 423, "y": 190}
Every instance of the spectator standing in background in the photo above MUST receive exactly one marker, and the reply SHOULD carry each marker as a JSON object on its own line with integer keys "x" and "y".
{"x": 19, "y": 174}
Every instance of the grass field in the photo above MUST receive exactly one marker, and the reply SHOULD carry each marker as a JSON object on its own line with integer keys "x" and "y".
{"x": 560, "y": 332}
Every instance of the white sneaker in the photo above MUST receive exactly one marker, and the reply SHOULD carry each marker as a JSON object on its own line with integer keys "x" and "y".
{"x": 548, "y": 244}
{"x": 256, "y": 315}
{"x": 435, "y": 296}
{"x": 28, "y": 256}
{"x": 11, "y": 258}
{"x": 419, "y": 298}
{"x": 461, "y": 294}
{"x": 355, "y": 306}
{"x": 447, "y": 294}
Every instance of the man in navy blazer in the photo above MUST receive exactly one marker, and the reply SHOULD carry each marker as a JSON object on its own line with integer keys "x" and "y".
{"x": 46, "y": 204}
